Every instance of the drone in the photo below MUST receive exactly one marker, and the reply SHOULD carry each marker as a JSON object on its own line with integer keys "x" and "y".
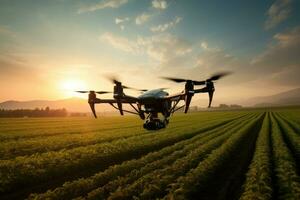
{"x": 151, "y": 103}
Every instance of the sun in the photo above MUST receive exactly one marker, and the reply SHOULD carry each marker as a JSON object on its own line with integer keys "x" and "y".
{"x": 70, "y": 87}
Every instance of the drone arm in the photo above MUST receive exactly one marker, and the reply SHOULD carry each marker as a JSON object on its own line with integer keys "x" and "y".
{"x": 94, "y": 101}
{"x": 128, "y": 111}
{"x": 109, "y": 101}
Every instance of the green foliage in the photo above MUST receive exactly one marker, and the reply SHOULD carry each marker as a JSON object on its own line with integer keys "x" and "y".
{"x": 213, "y": 155}
{"x": 287, "y": 179}
{"x": 258, "y": 184}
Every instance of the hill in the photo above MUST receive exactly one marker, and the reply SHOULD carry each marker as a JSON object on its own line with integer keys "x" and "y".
{"x": 290, "y": 97}
{"x": 71, "y": 104}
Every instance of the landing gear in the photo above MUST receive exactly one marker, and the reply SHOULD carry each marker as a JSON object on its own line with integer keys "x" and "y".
{"x": 154, "y": 123}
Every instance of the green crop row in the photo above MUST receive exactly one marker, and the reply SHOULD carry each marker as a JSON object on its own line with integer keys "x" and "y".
{"x": 292, "y": 138}
{"x": 156, "y": 183}
{"x": 197, "y": 179}
{"x": 290, "y": 121}
{"x": 56, "y": 129}
{"x": 258, "y": 184}
{"x": 24, "y": 146}
{"x": 67, "y": 126}
{"x": 287, "y": 180}
{"x": 38, "y": 168}
{"x": 165, "y": 155}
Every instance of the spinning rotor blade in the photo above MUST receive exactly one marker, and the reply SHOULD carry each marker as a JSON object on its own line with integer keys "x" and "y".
{"x": 115, "y": 80}
{"x": 177, "y": 80}
{"x": 83, "y": 91}
{"x": 102, "y": 92}
{"x": 181, "y": 80}
{"x": 98, "y": 92}
{"x": 218, "y": 76}
{"x": 213, "y": 78}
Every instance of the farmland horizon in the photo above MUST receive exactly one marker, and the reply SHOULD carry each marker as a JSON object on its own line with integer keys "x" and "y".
{"x": 50, "y": 50}
{"x": 79, "y": 104}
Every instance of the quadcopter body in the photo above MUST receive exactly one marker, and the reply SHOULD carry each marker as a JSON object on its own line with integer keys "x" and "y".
{"x": 151, "y": 103}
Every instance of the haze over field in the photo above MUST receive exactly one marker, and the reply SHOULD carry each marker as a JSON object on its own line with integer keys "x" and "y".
{"x": 48, "y": 49}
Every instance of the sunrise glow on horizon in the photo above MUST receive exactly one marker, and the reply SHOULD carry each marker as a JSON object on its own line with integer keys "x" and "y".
{"x": 49, "y": 49}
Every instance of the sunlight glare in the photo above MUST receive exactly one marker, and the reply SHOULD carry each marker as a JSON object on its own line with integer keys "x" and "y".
{"x": 70, "y": 86}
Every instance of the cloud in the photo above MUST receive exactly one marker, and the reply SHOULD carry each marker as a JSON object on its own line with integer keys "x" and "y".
{"x": 213, "y": 59}
{"x": 166, "y": 26}
{"x": 162, "y": 48}
{"x": 281, "y": 57}
{"x": 165, "y": 48}
{"x": 121, "y": 20}
{"x": 277, "y": 13}
{"x": 284, "y": 50}
{"x": 102, "y": 4}
{"x": 159, "y": 4}
{"x": 120, "y": 43}
{"x": 141, "y": 19}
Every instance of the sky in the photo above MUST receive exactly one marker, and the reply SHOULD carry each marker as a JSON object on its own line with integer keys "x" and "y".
{"x": 48, "y": 49}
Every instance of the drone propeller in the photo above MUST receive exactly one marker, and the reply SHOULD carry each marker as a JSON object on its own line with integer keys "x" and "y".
{"x": 92, "y": 98}
{"x": 115, "y": 80}
{"x": 212, "y": 78}
{"x": 98, "y": 92}
{"x": 218, "y": 76}
{"x": 177, "y": 80}
{"x": 189, "y": 87}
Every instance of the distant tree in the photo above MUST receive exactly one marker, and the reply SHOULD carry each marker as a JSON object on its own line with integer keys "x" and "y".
{"x": 235, "y": 106}
{"x": 223, "y": 106}
{"x": 37, "y": 112}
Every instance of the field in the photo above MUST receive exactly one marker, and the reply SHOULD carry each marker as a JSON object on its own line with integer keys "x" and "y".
{"x": 250, "y": 154}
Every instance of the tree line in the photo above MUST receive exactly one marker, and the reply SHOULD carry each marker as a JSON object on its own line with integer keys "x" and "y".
{"x": 37, "y": 112}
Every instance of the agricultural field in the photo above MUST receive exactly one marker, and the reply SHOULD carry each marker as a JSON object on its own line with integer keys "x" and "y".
{"x": 246, "y": 154}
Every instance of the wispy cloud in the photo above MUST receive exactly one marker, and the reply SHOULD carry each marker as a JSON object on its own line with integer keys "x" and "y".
{"x": 165, "y": 47}
{"x": 160, "y": 4}
{"x": 162, "y": 48}
{"x": 166, "y": 26}
{"x": 277, "y": 13}
{"x": 121, "y": 20}
{"x": 102, "y": 4}
{"x": 141, "y": 19}
{"x": 283, "y": 51}
{"x": 120, "y": 43}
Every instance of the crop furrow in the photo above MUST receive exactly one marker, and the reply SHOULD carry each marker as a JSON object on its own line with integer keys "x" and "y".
{"x": 156, "y": 183}
{"x": 221, "y": 170}
{"x": 66, "y": 130}
{"x": 83, "y": 161}
{"x": 82, "y": 186}
{"x": 258, "y": 184}
{"x": 291, "y": 122}
{"x": 287, "y": 181}
{"x": 12, "y": 149}
{"x": 291, "y": 138}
